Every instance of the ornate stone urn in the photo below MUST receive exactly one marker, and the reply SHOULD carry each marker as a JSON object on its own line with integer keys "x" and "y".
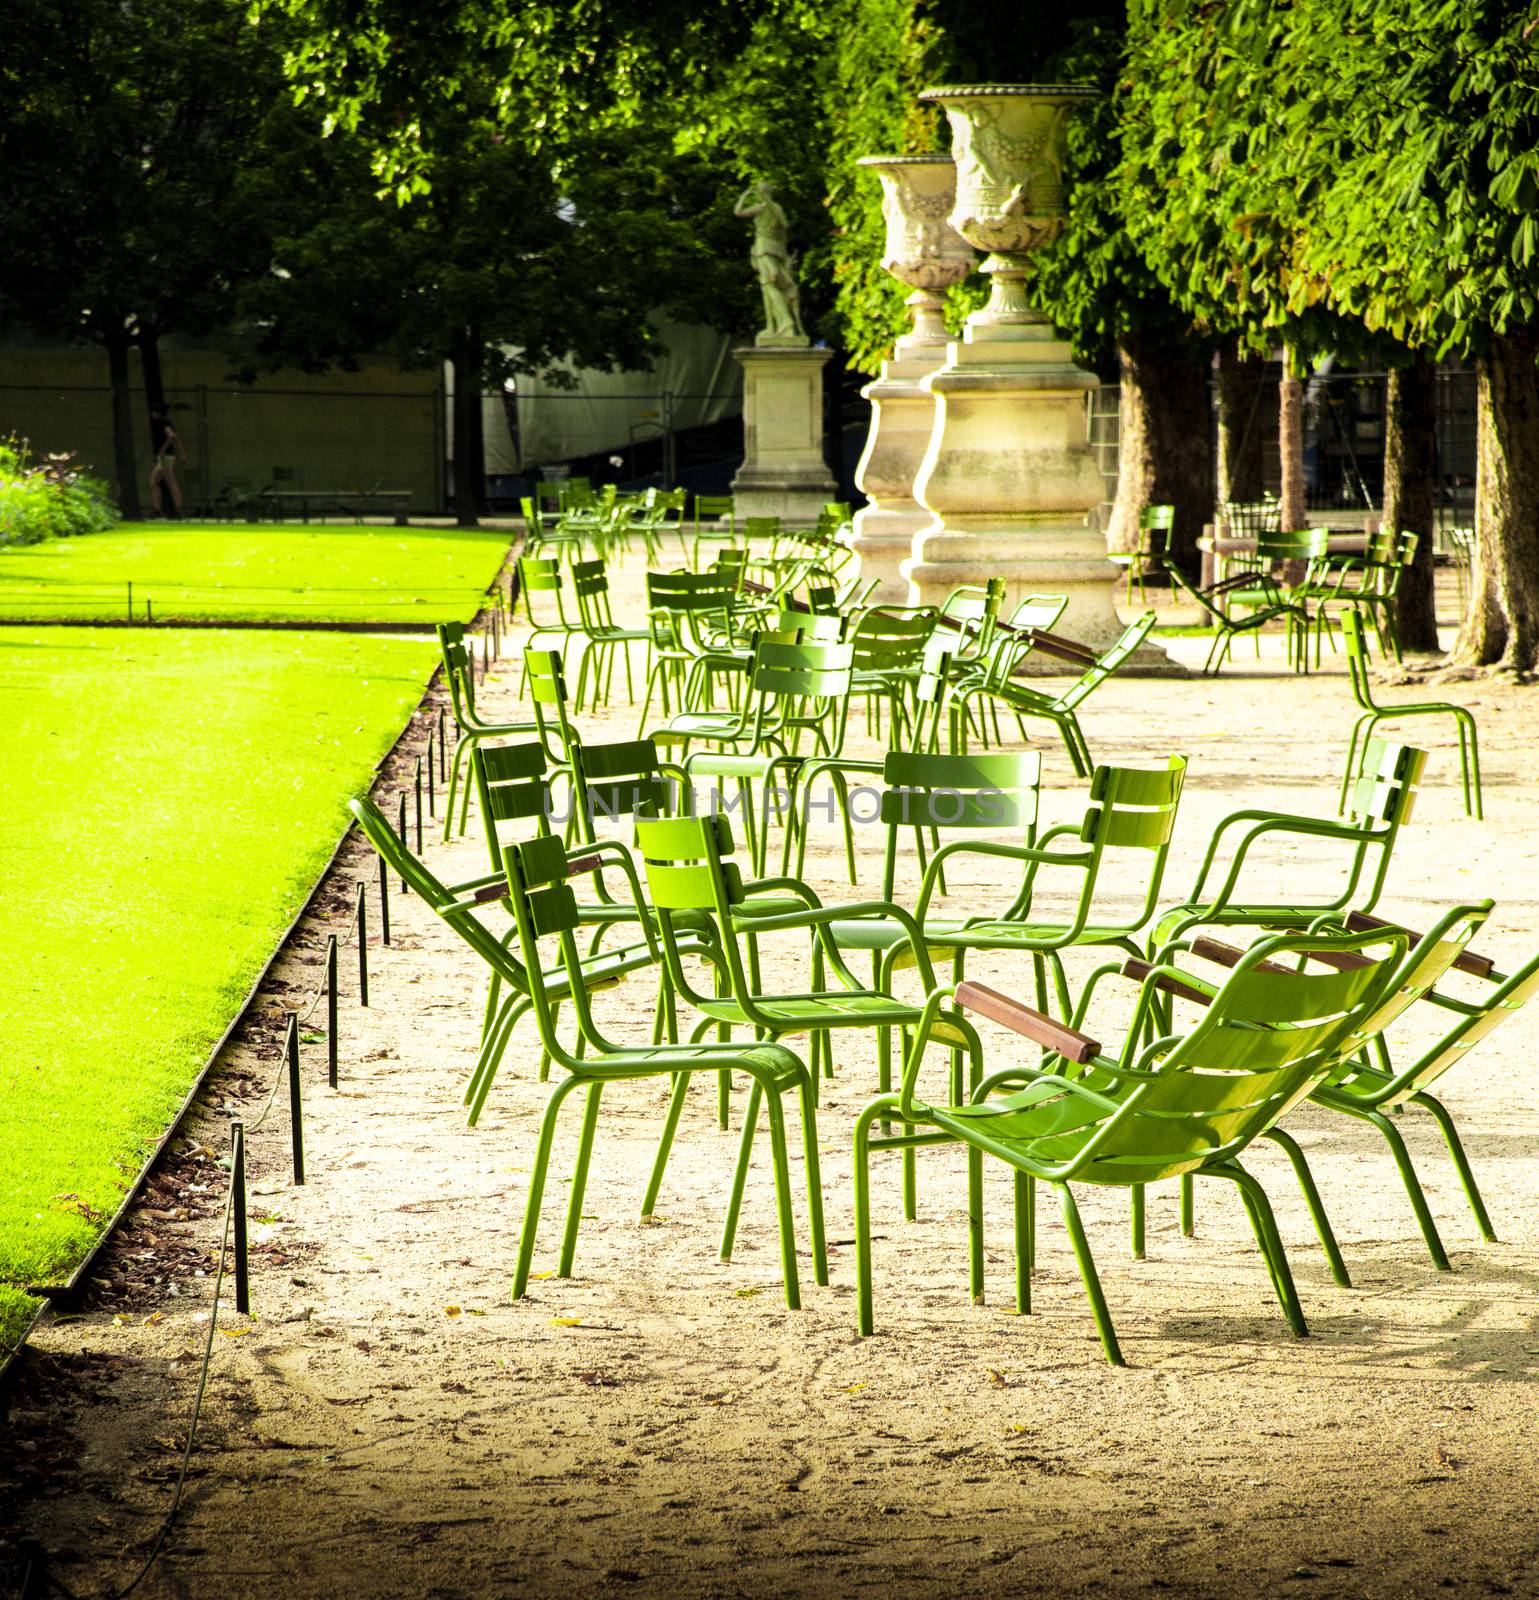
{"x": 924, "y": 251}
{"x": 1009, "y": 476}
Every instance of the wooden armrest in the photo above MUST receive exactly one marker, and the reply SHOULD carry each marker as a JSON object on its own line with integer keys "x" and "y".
{"x": 491, "y": 892}
{"x": 1235, "y": 582}
{"x": 1227, "y": 955}
{"x": 1133, "y": 968}
{"x": 1057, "y": 1036}
{"x": 584, "y": 864}
{"x": 1054, "y": 644}
{"x": 1465, "y": 961}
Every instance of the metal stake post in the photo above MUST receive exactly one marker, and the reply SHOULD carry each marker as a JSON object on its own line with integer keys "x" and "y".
{"x": 384, "y": 903}
{"x": 362, "y": 916}
{"x": 296, "y": 1109}
{"x": 331, "y": 1009}
{"x": 238, "y": 1185}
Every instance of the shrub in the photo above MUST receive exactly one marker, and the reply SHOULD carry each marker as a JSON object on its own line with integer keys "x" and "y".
{"x": 48, "y": 499}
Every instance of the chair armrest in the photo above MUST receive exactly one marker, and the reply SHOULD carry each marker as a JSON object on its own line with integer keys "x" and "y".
{"x": 1055, "y": 644}
{"x": 1182, "y": 989}
{"x": 1035, "y": 1025}
{"x": 1228, "y": 955}
{"x": 1466, "y": 961}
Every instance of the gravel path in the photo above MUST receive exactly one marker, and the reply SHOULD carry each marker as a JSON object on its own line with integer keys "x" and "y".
{"x": 389, "y": 1423}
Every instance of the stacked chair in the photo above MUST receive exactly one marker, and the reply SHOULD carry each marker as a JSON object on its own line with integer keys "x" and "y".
{"x": 616, "y": 860}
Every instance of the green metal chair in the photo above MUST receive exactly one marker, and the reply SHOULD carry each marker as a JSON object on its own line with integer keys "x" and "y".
{"x": 461, "y": 680}
{"x": 888, "y": 645}
{"x": 1183, "y": 1104}
{"x": 688, "y": 866}
{"x": 1252, "y": 620}
{"x": 1015, "y": 637}
{"x": 604, "y": 637}
{"x": 798, "y": 694}
{"x": 544, "y": 910}
{"x": 1061, "y": 709}
{"x": 1150, "y": 541}
{"x": 690, "y": 614}
{"x": 1370, "y": 1089}
{"x": 1429, "y": 958}
{"x": 541, "y": 576}
{"x": 462, "y": 913}
{"x": 1282, "y": 567}
{"x": 1382, "y": 801}
{"x": 1371, "y": 585}
{"x": 1118, "y": 850}
{"x": 1373, "y": 714}
{"x": 711, "y": 512}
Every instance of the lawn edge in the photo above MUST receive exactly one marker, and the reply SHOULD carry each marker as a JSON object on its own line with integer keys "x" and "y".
{"x": 63, "y": 1296}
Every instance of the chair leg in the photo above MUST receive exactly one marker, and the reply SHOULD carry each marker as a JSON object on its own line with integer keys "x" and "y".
{"x": 1023, "y": 1243}
{"x": 1469, "y": 755}
{"x": 537, "y": 1183}
{"x": 486, "y": 1069}
{"x": 975, "y": 1224}
{"x": 1412, "y": 1188}
{"x": 1264, "y": 1225}
{"x": 1188, "y": 1206}
{"x": 1439, "y": 1113}
{"x": 864, "y": 1309}
{"x": 665, "y": 1143}
{"x": 807, "y": 1089}
{"x": 1137, "y": 1219}
{"x": 462, "y": 745}
{"x": 1322, "y": 1222}
{"x": 777, "y": 1123}
{"x": 579, "y": 1181}
{"x": 740, "y": 1173}
{"x": 1089, "y": 1277}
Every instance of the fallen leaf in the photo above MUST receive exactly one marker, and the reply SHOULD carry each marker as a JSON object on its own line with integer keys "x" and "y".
{"x": 451, "y": 1311}
{"x": 566, "y": 1322}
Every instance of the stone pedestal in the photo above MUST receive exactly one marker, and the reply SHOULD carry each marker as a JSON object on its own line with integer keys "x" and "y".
{"x": 1009, "y": 475}
{"x": 783, "y": 473}
{"x": 925, "y": 252}
{"x": 1009, "y": 478}
{"x": 902, "y": 419}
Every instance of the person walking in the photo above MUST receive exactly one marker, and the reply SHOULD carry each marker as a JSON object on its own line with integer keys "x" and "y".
{"x": 169, "y": 454}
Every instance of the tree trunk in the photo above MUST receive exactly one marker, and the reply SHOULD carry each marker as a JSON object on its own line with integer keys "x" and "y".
{"x": 1410, "y": 492}
{"x": 1165, "y": 454}
{"x": 1502, "y": 623}
{"x": 469, "y": 431}
{"x": 1240, "y": 426}
{"x": 124, "y": 455}
{"x": 1290, "y": 448}
{"x": 154, "y": 381}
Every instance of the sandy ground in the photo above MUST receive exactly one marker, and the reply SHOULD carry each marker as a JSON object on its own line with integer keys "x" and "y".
{"x": 390, "y": 1423}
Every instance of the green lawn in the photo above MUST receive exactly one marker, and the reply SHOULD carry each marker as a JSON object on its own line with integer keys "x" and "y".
{"x": 241, "y": 571}
{"x": 171, "y": 798}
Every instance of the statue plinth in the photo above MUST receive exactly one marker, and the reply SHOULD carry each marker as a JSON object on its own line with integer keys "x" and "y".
{"x": 783, "y": 473}
{"x": 1008, "y": 475}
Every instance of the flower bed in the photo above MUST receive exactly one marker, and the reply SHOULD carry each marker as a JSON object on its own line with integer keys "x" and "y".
{"x": 49, "y": 498}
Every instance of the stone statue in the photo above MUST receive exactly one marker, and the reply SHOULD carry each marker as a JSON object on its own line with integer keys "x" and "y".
{"x": 774, "y": 264}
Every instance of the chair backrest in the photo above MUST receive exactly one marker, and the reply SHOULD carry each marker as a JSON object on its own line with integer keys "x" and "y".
{"x": 891, "y": 640}
{"x": 813, "y": 627}
{"x": 1506, "y": 997}
{"x": 967, "y": 793}
{"x": 1131, "y": 809}
{"x": 511, "y": 787}
{"x": 1108, "y": 662}
{"x": 1276, "y": 547}
{"x": 715, "y": 508}
{"x": 611, "y": 781}
{"x": 590, "y": 581}
{"x": 1356, "y": 640}
{"x": 761, "y": 528}
{"x": 690, "y": 591}
{"x": 458, "y": 673}
{"x": 1269, "y": 1036}
{"x": 1384, "y": 790}
{"x": 545, "y": 680}
{"x": 540, "y": 575}
{"x": 1155, "y": 524}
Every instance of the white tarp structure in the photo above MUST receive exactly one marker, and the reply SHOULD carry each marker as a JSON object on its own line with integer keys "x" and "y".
{"x": 695, "y": 381}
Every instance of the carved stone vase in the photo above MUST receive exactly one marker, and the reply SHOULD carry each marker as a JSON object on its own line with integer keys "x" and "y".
{"x": 1009, "y": 476}
{"x": 925, "y": 252}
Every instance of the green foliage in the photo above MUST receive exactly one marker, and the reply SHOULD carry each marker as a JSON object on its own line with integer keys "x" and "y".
{"x": 151, "y": 902}
{"x": 256, "y": 572}
{"x": 49, "y": 499}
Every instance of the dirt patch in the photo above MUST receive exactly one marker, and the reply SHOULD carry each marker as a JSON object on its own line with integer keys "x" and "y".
{"x": 389, "y": 1423}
